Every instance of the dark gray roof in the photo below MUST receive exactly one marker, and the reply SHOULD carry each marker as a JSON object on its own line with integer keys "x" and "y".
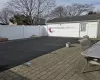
{"x": 75, "y": 18}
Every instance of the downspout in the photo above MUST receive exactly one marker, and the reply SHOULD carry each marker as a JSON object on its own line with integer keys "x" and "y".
{"x": 98, "y": 33}
{"x": 87, "y": 29}
{"x": 79, "y": 29}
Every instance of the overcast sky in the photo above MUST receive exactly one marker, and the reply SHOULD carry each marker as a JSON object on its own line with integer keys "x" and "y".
{"x": 62, "y": 2}
{"x": 2, "y": 3}
{"x": 96, "y": 3}
{"x": 79, "y": 1}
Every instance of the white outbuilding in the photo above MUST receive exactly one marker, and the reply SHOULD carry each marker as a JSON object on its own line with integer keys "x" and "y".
{"x": 77, "y": 26}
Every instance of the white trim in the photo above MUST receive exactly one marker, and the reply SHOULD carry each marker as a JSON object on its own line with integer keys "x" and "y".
{"x": 98, "y": 29}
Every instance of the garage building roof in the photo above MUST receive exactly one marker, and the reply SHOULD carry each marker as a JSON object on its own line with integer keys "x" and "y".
{"x": 76, "y": 18}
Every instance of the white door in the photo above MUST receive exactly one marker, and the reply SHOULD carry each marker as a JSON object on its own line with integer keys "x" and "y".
{"x": 92, "y": 29}
{"x": 83, "y": 29}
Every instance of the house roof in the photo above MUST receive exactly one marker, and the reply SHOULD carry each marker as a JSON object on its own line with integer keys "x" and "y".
{"x": 76, "y": 18}
{"x": 3, "y": 24}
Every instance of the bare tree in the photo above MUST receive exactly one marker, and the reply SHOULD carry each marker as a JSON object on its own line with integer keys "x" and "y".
{"x": 43, "y": 6}
{"x": 70, "y": 10}
{"x": 32, "y": 8}
{"x": 5, "y": 15}
{"x": 58, "y": 12}
{"x": 78, "y": 9}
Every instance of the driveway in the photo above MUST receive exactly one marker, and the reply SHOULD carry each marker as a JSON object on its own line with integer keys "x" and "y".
{"x": 20, "y": 51}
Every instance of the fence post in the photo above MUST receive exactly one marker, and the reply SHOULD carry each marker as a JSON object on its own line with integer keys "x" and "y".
{"x": 39, "y": 30}
{"x": 23, "y": 31}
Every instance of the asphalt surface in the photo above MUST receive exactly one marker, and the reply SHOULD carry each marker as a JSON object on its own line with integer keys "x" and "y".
{"x": 20, "y": 51}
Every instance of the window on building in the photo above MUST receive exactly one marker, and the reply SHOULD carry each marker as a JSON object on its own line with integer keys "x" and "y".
{"x": 83, "y": 26}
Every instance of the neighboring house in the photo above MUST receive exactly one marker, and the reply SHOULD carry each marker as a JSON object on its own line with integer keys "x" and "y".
{"x": 12, "y": 24}
{"x": 3, "y": 24}
{"x": 41, "y": 22}
{"x": 77, "y": 26}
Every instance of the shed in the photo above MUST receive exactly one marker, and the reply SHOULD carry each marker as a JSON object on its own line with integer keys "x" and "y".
{"x": 77, "y": 26}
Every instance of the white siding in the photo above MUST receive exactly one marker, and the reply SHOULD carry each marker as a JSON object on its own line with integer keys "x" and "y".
{"x": 73, "y": 30}
{"x": 98, "y": 29}
{"x": 91, "y": 30}
{"x": 64, "y": 30}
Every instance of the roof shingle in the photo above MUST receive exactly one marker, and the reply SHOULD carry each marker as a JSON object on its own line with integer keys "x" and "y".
{"x": 75, "y": 18}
